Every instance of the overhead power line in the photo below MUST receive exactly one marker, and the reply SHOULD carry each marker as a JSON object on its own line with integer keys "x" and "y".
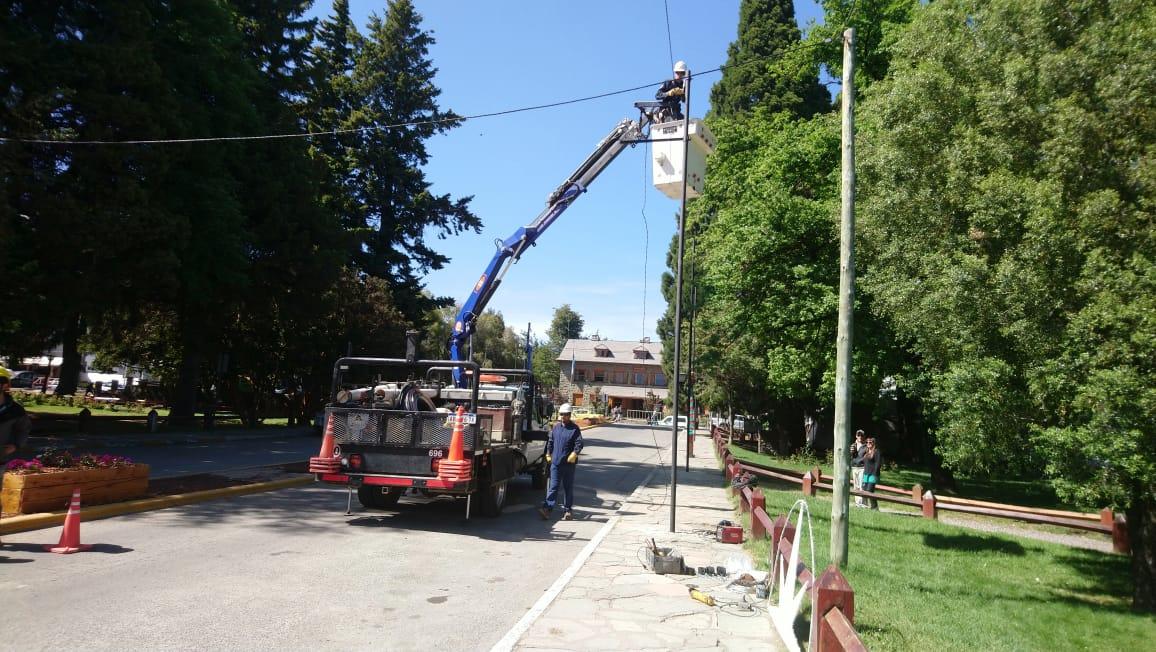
{"x": 372, "y": 128}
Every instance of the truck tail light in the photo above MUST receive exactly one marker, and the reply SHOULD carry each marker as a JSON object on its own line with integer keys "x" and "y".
{"x": 355, "y": 461}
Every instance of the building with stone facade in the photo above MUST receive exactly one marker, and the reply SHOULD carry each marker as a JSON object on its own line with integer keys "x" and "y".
{"x": 597, "y": 372}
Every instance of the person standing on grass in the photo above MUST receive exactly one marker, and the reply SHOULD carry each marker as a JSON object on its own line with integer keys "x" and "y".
{"x": 858, "y": 447}
{"x": 562, "y": 449}
{"x": 872, "y": 465}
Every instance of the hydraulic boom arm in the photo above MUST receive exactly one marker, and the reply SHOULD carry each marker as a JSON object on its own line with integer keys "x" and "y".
{"x": 628, "y": 132}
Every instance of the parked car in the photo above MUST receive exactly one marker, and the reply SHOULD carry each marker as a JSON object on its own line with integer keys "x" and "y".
{"x": 669, "y": 421}
{"x": 23, "y": 378}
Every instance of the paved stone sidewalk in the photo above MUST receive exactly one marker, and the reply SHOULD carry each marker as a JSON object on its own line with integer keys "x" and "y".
{"x": 614, "y": 603}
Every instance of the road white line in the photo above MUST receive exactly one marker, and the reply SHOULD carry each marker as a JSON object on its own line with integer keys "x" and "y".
{"x": 511, "y": 638}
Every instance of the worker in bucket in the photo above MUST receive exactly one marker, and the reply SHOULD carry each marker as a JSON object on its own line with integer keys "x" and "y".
{"x": 562, "y": 449}
{"x": 672, "y": 91}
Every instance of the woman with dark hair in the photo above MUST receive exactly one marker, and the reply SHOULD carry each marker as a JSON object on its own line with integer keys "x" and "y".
{"x": 872, "y": 464}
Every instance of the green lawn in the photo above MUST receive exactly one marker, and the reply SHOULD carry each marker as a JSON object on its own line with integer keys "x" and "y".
{"x": 922, "y": 585}
{"x": 1036, "y": 492}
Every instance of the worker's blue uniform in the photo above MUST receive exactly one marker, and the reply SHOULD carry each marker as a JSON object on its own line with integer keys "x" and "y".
{"x": 564, "y": 439}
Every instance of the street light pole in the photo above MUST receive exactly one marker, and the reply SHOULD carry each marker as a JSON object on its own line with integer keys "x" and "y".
{"x": 678, "y": 305}
{"x": 690, "y": 407}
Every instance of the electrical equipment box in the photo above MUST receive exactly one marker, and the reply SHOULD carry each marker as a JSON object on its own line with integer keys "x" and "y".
{"x": 728, "y": 532}
{"x": 667, "y": 163}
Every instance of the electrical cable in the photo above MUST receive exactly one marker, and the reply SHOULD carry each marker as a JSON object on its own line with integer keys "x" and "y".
{"x": 669, "y": 42}
{"x": 375, "y": 128}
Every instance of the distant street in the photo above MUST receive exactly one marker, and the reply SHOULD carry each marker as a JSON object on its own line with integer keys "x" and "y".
{"x": 179, "y": 459}
{"x": 289, "y": 570}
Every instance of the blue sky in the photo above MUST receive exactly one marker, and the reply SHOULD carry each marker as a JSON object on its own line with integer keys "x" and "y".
{"x": 606, "y": 254}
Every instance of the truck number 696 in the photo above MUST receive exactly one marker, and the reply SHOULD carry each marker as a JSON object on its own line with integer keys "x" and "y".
{"x": 437, "y": 452}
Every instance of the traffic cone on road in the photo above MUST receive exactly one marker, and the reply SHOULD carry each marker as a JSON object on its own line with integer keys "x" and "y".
{"x": 455, "y": 467}
{"x": 326, "y": 462}
{"x": 70, "y": 537}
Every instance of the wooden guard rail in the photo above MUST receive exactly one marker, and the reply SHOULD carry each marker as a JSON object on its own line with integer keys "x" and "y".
{"x": 930, "y": 505}
{"x": 833, "y": 600}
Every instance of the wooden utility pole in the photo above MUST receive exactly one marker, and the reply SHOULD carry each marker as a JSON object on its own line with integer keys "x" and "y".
{"x": 840, "y": 503}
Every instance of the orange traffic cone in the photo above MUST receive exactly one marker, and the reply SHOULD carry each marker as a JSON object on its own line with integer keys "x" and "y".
{"x": 455, "y": 467}
{"x": 70, "y": 537}
{"x": 325, "y": 462}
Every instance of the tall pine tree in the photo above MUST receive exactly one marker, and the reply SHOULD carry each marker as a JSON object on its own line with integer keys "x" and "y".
{"x": 751, "y": 79}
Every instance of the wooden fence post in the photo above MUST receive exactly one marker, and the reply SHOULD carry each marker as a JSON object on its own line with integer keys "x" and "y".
{"x": 758, "y": 502}
{"x": 1120, "y": 541}
{"x": 808, "y": 486}
{"x": 929, "y": 509}
{"x": 817, "y": 474}
{"x": 917, "y": 492}
{"x": 1106, "y": 517}
{"x": 832, "y": 591}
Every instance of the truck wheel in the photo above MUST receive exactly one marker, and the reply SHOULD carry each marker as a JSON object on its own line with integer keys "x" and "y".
{"x": 371, "y": 497}
{"x": 493, "y": 499}
{"x": 540, "y": 478}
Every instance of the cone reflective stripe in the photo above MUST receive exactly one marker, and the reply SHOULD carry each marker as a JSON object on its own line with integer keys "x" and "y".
{"x": 70, "y": 536}
{"x": 457, "y": 448}
{"x": 455, "y": 468}
{"x": 325, "y": 462}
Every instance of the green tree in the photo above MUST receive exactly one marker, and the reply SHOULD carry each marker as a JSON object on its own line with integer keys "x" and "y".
{"x": 751, "y": 78}
{"x": 1009, "y": 185}
{"x": 392, "y": 85}
{"x": 495, "y": 344}
{"x": 565, "y": 325}
{"x": 545, "y": 365}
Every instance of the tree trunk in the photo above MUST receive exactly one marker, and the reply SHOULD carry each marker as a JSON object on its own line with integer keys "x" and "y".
{"x": 1142, "y": 538}
{"x": 70, "y": 363}
{"x": 185, "y": 393}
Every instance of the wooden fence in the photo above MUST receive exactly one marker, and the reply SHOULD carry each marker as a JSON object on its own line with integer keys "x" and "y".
{"x": 832, "y": 598}
{"x": 930, "y": 505}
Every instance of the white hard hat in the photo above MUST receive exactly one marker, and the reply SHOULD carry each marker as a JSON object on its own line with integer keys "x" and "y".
{"x": 680, "y": 66}
{"x": 565, "y": 409}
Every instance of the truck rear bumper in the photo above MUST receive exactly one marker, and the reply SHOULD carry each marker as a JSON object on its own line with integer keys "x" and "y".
{"x": 392, "y": 481}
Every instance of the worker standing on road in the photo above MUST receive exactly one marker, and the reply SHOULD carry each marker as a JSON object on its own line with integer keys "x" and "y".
{"x": 562, "y": 449}
{"x": 672, "y": 90}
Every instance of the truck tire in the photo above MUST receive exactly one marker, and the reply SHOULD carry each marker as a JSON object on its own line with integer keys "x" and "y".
{"x": 540, "y": 478}
{"x": 371, "y": 497}
{"x": 493, "y": 498}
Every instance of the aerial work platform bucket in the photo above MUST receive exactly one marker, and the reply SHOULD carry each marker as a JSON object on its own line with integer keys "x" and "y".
{"x": 667, "y": 162}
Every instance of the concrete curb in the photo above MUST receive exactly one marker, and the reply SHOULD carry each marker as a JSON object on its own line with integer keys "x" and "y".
{"x": 27, "y": 522}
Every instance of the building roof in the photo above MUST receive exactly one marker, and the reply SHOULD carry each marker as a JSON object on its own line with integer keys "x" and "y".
{"x": 629, "y": 391}
{"x": 620, "y": 352}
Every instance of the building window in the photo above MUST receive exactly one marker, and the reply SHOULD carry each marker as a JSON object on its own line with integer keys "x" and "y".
{"x": 599, "y": 375}
{"x": 602, "y": 352}
{"x": 641, "y": 354}
{"x": 580, "y": 376}
{"x": 620, "y": 377}
{"x": 639, "y": 378}
{"x": 660, "y": 379}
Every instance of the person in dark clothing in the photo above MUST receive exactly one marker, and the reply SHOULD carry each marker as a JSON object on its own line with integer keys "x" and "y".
{"x": 858, "y": 447}
{"x": 562, "y": 449}
{"x": 872, "y": 464}
{"x": 671, "y": 92}
{"x": 15, "y": 425}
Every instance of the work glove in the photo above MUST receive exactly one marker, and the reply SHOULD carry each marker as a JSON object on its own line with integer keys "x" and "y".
{"x": 674, "y": 92}
{"x": 573, "y": 458}
{"x": 548, "y": 458}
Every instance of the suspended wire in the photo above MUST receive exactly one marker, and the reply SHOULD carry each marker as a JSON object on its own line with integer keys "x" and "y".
{"x": 669, "y": 42}
{"x": 398, "y": 125}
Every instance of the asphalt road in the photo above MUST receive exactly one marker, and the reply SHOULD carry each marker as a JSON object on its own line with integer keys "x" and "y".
{"x": 288, "y": 570}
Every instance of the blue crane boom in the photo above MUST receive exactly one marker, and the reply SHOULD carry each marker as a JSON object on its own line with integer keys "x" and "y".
{"x": 626, "y": 133}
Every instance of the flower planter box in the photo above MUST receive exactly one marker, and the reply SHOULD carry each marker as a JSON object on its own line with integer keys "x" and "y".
{"x": 50, "y": 491}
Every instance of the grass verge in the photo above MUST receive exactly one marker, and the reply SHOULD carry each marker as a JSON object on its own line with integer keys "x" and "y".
{"x": 923, "y": 585}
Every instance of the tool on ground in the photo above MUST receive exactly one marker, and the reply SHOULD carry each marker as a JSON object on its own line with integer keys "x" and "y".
{"x": 70, "y": 536}
{"x": 700, "y": 596}
{"x": 728, "y": 532}
{"x": 663, "y": 561}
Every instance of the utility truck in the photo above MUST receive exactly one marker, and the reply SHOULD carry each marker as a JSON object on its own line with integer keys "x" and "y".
{"x": 390, "y": 423}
